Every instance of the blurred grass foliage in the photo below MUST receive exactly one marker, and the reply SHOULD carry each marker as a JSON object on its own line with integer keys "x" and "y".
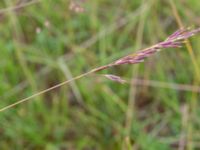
{"x": 45, "y": 43}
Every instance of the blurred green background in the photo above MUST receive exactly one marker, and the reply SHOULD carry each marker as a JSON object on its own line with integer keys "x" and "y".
{"x": 43, "y": 42}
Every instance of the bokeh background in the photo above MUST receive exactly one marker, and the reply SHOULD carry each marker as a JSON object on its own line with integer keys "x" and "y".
{"x": 45, "y": 42}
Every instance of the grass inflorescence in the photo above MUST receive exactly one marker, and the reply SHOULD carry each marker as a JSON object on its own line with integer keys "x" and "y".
{"x": 173, "y": 41}
{"x": 45, "y": 44}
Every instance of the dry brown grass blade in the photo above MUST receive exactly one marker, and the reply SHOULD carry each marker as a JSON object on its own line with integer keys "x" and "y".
{"x": 196, "y": 78}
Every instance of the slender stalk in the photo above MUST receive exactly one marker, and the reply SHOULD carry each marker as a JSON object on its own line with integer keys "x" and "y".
{"x": 173, "y": 41}
{"x": 46, "y": 90}
{"x": 193, "y": 102}
{"x": 54, "y": 87}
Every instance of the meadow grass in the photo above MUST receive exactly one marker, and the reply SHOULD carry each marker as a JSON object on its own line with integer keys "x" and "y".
{"x": 45, "y": 43}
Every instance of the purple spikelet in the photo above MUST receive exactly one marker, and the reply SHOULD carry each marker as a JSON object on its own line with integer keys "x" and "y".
{"x": 173, "y": 41}
{"x": 115, "y": 78}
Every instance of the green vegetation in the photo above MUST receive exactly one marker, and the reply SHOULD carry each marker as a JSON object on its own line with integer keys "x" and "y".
{"x": 45, "y": 43}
